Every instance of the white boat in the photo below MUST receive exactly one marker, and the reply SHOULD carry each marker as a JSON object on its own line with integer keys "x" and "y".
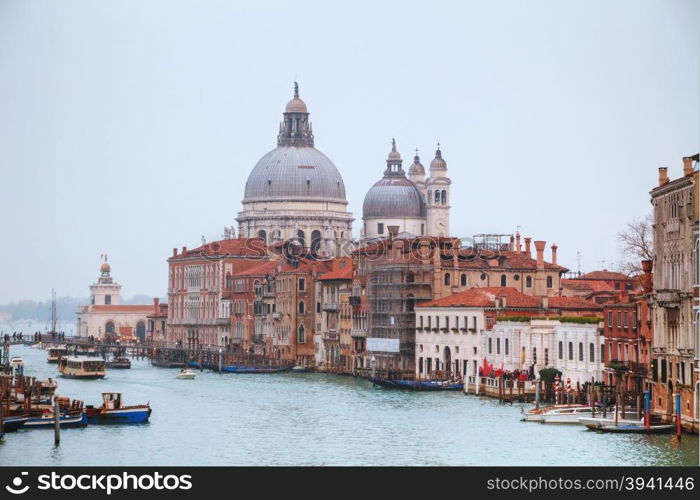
{"x": 186, "y": 374}
{"x": 566, "y": 415}
{"x": 535, "y": 414}
{"x": 16, "y": 362}
{"x": 609, "y": 420}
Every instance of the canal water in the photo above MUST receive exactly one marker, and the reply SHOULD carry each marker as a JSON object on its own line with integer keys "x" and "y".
{"x": 314, "y": 419}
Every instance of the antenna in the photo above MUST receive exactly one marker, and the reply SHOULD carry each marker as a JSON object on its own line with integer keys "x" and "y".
{"x": 578, "y": 261}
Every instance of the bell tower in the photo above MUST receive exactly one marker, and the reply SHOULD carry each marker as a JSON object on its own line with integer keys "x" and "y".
{"x": 438, "y": 197}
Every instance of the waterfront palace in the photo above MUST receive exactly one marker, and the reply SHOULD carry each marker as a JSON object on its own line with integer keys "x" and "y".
{"x": 408, "y": 298}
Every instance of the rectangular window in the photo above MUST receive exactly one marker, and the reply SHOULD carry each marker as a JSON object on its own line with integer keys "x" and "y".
{"x": 490, "y": 345}
{"x": 619, "y": 319}
{"x": 380, "y": 228}
{"x": 498, "y": 346}
{"x": 610, "y": 319}
{"x": 627, "y": 319}
{"x": 302, "y": 284}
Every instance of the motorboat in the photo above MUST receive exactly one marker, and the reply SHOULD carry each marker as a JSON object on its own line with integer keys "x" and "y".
{"x": 113, "y": 411}
{"x": 535, "y": 414}
{"x": 566, "y": 415}
{"x": 186, "y": 374}
{"x": 635, "y": 428}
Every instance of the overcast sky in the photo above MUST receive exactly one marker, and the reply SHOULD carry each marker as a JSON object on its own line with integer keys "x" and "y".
{"x": 129, "y": 127}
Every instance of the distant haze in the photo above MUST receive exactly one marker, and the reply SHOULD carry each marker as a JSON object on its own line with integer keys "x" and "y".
{"x": 130, "y": 127}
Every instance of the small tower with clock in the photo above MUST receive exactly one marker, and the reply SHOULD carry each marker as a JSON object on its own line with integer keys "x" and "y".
{"x": 438, "y": 197}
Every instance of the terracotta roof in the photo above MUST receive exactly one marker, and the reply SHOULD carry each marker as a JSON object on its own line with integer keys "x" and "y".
{"x": 604, "y": 275}
{"x": 571, "y": 303}
{"x": 486, "y": 297}
{"x": 587, "y": 285}
{"x": 337, "y": 274}
{"x": 266, "y": 267}
{"x": 238, "y": 247}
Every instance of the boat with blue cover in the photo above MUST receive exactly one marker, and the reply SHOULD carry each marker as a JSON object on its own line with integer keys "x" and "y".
{"x": 113, "y": 411}
{"x": 252, "y": 369}
{"x": 419, "y": 385}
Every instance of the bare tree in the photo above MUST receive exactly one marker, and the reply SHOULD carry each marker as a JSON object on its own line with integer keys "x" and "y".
{"x": 636, "y": 243}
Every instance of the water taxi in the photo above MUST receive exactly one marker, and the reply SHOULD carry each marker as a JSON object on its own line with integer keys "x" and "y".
{"x": 56, "y": 353}
{"x": 82, "y": 367}
{"x": 113, "y": 411}
{"x": 535, "y": 414}
{"x": 186, "y": 374}
{"x": 119, "y": 362}
{"x": 566, "y": 415}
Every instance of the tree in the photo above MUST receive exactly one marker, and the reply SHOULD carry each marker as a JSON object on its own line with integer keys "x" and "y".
{"x": 636, "y": 243}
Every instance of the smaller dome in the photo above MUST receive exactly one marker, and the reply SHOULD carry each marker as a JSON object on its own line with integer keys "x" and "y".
{"x": 104, "y": 268}
{"x": 296, "y": 105}
{"x": 438, "y": 163}
{"x": 417, "y": 167}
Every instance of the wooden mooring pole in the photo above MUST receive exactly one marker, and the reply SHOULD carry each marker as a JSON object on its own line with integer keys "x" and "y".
{"x": 56, "y": 420}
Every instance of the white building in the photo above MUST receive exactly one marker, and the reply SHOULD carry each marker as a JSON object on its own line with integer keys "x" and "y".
{"x": 576, "y": 350}
{"x": 106, "y": 316}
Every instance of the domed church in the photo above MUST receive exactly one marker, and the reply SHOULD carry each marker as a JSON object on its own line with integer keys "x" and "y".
{"x": 398, "y": 204}
{"x": 295, "y": 191}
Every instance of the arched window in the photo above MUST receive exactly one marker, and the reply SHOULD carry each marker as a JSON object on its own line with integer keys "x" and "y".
{"x": 504, "y": 280}
{"x": 443, "y": 197}
{"x": 506, "y": 347}
{"x": 528, "y": 282}
{"x": 463, "y": 280}
{"x": 549, "y": 282}
{"x": 301, "y": 335}
{"x": 315, "y": 241}
{"x": 447, "y": 279}
{"x": 561, "y": 350}
{"x": 301, "y": 237}
{"x": 592, "y": 353}
{"x": 141, "y": 330}
{"x": 109, "y": 327}
{"x": 546, "y": 356}
{"x": 437, "y": 197}
{"x": 580, "y": 351}
{"x": 571, "y": 351}
{"x": 262, "y": 235}
{"x": 302, "y": 307}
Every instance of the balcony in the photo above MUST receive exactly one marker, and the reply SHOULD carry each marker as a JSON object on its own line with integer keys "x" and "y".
{"x": 330, "y": 306}
{"x": 668, "y": 298}
{"x": 331, "y": 335}
{"x": 358, "y": 332}
{"x": 277, "y": 316}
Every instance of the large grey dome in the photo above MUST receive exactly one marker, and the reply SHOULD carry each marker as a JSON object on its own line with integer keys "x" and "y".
{"x": 295, "y": 173}
{"x": 394, "y": 196}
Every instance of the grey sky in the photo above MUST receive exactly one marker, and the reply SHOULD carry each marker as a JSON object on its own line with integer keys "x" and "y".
{"x": 129, "y": 127}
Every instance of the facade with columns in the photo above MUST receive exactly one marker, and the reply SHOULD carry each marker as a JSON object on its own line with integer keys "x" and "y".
{"x": 415, "y": 204}
{"x": 295, "y": 191}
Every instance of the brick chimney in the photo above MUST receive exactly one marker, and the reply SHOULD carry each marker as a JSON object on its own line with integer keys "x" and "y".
{"x": 554, "y": 253}
{"x": 527, "y": 245}
{"x": 663, "y": 176}
{"x": 647, "y": 277}
{"x": 688, "y": 164}
{"x": 512, "y": 244}
{"x": 184, "y": 249}
{"x": 539, "y": 248}
{"x": 517, "y": 242}
{"x": 174, "y": 252}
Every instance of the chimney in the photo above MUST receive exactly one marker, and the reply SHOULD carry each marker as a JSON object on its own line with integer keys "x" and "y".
{"x": 646, "y": 280}
{"x": 184, "y": 249}
{"x": 688, "y": 164}
{"x": 527, "y": 245}
{"x": 156, "y": 300}
{"x": 512, "y": 244}
{"x": 174, "y": 252}
{"x": 663, "y": 176}
{"x": 539, "y": 248}
{"x": 554, "y": 253}
{"x": 517, "y": 242}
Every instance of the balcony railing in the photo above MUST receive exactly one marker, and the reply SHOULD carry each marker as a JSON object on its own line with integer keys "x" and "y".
{"x": 358, "y": 332}
{"x": 276, "y": 315}
{"x": 331, "y": 335}
{"x": 331, "y": 306}
{"x": 668, "y": 298}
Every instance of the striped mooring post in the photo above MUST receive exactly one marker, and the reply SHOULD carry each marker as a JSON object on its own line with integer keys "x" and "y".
{"x": 557, "y": 387}
{"x": 568, "y": 390}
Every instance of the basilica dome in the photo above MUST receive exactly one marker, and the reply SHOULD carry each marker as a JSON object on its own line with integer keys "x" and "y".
{"x": 295, "y": 173}
{"x": 394, "y": 196}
